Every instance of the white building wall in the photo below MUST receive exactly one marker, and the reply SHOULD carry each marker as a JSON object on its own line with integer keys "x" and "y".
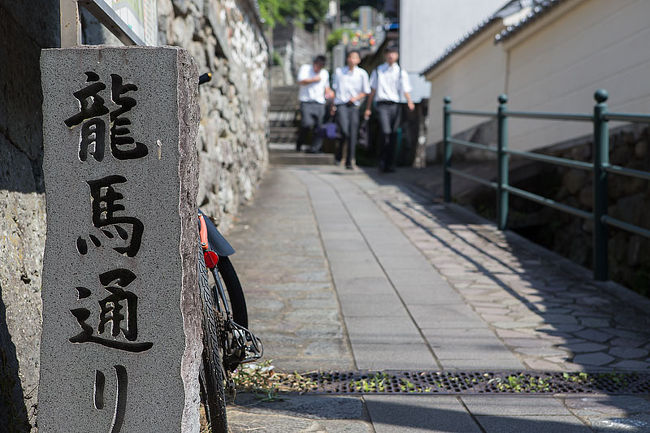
{"x": 597, "y": 44}
{"x": 554, "y": 64}
{"x": 428, "y": 27}
{"x": 473, "y": 81}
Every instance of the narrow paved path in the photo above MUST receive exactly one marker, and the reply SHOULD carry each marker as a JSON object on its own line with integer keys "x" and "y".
{"x": 349, "y": 270}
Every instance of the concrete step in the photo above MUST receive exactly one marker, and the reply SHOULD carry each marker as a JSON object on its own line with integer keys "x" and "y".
{"x": 282, "y": 114}
{"x": 295, "y": 158}
{"x": 282, "y": 119}
{"x": 282, "y": 124}
{"x": 285, "y": 154}
{"x": 283, "y": 130}
{"x": 284, "y": 140}
{"x": 284, "y": 108}
{"x": 284, "y": 99}
{"x": 283, "y": 134}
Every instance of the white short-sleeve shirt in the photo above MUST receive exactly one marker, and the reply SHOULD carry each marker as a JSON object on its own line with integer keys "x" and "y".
{"x": 314, "y": 92}
{"x": 390, "y": 82}
{"x": 349, "y": 83}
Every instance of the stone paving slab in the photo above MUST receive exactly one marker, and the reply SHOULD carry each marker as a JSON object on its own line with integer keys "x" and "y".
{"x": 393, "y": 356}
{"x": 532, "y": 423}
{"x": 289, "y": 291}
{"x": 560, "y": 318}
{"x": 292, "y": 413}
{"x": 607, "y": 414}
{"x": 379, "y": 241}
{"x": 305, "y": 248}
{"x": 405, "y": 414}
{"x": 514, "y": 405}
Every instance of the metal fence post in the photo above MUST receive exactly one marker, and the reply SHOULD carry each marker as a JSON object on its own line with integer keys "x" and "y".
{"x": 601, "y": 160}
{"x": 446, "y": 153}
{"x": 502, "y": 161}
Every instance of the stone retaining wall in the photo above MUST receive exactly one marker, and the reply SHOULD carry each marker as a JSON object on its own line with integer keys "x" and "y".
{"x": 224, "y": 37}
{"x": 629, "y": 199}
{"x": 295, "y": 46}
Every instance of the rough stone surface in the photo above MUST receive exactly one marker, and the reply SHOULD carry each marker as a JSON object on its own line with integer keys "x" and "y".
{"x": 292, "y": 287}
{"x": 150, "y": 359}
{"x": 225, "y": 38}
{"x": 294, "y": 46}
{"x": 22, "y": 224}
{"x": 24, "y": 30}
{"x": 570, "y": 236}
{"x": 397, "y": 263}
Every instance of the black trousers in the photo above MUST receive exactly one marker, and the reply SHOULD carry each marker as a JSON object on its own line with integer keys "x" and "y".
{"x": 390, "y": 116}
{"x": 312, "y": 114}
{"x": 347, "y": 119}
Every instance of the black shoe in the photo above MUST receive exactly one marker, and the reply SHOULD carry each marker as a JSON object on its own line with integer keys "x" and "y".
{"x": 348, "y": 167}
{"x": 389, "y": 170}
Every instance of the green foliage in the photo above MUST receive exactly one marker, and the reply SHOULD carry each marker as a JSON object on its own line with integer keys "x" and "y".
{"x": 315, "y": 9}
{"x": 349, "y": 7}
{"x": 336, "y": 37}
{"x": 275, "y": 12}
{"x": 522, "y": 383}
{"x": 270, "y": 11}
{"x": 376, "y": 383}
{"x": 276, "y": 59}
{"x": 409, "y": 387}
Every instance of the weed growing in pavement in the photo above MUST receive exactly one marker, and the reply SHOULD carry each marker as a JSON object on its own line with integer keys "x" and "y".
{"x": 262, "y": 380}
{"x": 576, "y": 377}
{"x": 268, "y": 384}
{"x": 521, "y": 383}
{"x": 376, "y": 383}
{"x": 409, "y": 387}
{"x": 618, "y": 379}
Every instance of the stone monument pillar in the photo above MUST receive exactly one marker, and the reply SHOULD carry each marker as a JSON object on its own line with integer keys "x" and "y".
{"x": 121, "y": 345}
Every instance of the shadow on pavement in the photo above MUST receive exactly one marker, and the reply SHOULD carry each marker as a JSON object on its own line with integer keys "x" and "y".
{"x": 603, "y": 326}
{"x": 450, "y": 413}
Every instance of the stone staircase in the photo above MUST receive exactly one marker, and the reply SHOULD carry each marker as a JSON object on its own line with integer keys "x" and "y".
{"x": 283, "y": 119}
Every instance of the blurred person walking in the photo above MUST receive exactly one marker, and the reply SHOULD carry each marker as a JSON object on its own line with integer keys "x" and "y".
{"x": 351, "y": 85}
{"x": 314, "y": 88}
{"x": 388, "y": 82}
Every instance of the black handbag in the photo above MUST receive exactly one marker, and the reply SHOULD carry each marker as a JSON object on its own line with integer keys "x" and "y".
{"x": 363, "y": 139}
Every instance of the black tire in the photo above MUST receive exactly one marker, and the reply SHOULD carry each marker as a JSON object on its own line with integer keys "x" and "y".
{"x": 235, "y": 292}
{"x": 212, "y": 372}
{"x": 237, "y": 304}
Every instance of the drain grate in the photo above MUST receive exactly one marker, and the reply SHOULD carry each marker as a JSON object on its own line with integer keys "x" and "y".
{"x": 450, "y": 383}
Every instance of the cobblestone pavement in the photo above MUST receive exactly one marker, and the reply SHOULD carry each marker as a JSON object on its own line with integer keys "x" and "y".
{"x": 350, "y": 270}
{"x": 546, "y": 310}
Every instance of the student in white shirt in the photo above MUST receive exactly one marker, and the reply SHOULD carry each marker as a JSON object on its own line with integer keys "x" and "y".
{"x": 388, "y": 82}
{"x": 314, "y": 87}
{"x": 351, "y": 85}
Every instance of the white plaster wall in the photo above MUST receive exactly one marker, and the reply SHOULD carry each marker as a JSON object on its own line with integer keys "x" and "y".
{"x": 473, "y": 82}
{"x": 597, "y": 44}
{"x": 428, "y": 27}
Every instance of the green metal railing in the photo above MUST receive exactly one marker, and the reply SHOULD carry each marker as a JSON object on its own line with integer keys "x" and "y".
{"x": 600, "y": 168}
